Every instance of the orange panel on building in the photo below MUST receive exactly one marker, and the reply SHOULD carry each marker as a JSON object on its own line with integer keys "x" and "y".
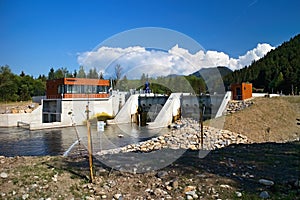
{"x": 241, "y": 91}
{"x": 77, "y": 88}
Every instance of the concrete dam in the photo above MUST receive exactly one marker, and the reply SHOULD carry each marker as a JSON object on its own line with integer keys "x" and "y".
{"x": 161, "y": 110}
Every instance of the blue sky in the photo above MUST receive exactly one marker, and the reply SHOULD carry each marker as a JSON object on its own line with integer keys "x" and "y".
{"x": 36, "y": 35}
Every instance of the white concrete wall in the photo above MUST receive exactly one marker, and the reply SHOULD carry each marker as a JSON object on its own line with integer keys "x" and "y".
{"x": 78, "y": 108}
{"x": 264, "y": 94}
{"x": 130, "y": 107}
{"x": 223, "y": 105}
{"x": 165, "y": 116}
{"x": 10, "y": 120}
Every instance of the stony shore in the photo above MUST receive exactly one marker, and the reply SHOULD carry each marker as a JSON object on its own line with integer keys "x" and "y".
{"x": 186, "y": 135}
{"x": 235, "y": 106}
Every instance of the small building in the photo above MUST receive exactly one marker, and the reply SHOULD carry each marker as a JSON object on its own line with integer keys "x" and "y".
{"x": 72, "y": 94}
{"x": 241, "y": 91}
{"x": 77, "y": 88}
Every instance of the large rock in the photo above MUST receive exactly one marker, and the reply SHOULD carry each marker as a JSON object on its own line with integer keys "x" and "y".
{"x": 161, "y": 174}
{"x": 3, "y": 175}
{"x": 266, "y": 182}
{"x": 264, "y": 195}
{"x": 118, "y": 196}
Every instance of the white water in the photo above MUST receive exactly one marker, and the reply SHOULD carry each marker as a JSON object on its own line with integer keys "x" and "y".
{"x": 70, "y": 148}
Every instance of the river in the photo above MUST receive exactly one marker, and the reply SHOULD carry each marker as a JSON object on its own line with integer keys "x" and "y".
{"x": 23, "y": 142}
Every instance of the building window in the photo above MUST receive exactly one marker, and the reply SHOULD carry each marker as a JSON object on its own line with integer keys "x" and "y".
{"x": 101, "y": 89}
{"x": 82, "y": 89}
{"x": 70, "y": 89}
{"x": 61, "y": 89}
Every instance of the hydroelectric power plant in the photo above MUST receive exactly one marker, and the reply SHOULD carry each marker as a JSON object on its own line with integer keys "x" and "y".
{"x": 66, "y": 100}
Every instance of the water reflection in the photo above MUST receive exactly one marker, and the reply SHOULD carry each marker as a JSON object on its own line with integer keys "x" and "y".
{"x": 120, "y": 135}
{"x": 22, "y": 142}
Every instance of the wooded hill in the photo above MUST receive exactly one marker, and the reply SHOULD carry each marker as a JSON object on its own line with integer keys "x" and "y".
{"x": 278, "y": 71}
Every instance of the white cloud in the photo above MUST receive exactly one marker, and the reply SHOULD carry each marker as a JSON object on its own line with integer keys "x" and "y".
{"x": 254, "y": 54}
{"x": 137, "y": 60}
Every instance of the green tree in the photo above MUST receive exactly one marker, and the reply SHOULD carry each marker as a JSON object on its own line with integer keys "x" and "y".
{"x": 51, "y": 74}
{"x": 75, "y": 73}
{"x": 118, "y": 72}
{"x": 81, "y": 73}
{"x": 123, "y": 84}
{"x": 43, "y": 78}
{"x": 62, "y": 73}
{"x": 279, "y": 81}
{"x": 101, "y": 75}
{"x": 92, "y": 73}
{"x": 22, "y": 74}
{"x": 8, "y": 85}
{"x": 24, "y": 92}
{"x": 39, "y": 87}
{"x": 26, "y": 86}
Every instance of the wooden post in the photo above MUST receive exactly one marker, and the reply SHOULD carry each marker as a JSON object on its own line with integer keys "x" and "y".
{"x": 90, "y": 149}
{"x": 201, "y": 127}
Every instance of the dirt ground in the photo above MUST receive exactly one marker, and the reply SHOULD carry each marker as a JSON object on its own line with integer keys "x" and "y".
{"x": 274, "y": 119}
{"x": 233, "y": 172}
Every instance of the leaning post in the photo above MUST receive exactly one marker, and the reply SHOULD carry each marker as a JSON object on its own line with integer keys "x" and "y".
{"x": 90, "y": 149}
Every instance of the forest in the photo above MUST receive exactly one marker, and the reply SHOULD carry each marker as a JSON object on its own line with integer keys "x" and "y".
{"x": 276, "y": 72}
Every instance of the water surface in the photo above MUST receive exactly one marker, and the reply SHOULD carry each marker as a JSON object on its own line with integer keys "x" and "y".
{"x": 23, "y": 142}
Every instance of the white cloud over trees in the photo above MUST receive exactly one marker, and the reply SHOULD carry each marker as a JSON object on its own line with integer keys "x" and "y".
{"x": 136, "y": 60}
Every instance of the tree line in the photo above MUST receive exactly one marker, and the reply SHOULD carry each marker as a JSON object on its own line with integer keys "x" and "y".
{"x": 65, "y": 73}
{"x": 20, "y": 87}
{"x": 23, "y": 87}
{"x": 164, "y": 85}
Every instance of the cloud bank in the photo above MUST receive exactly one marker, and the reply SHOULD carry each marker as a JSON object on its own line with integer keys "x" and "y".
{"x": 136, "y": 60}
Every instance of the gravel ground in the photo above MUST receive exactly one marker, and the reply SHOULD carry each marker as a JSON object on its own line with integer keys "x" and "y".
{"x": 233, "y": 172}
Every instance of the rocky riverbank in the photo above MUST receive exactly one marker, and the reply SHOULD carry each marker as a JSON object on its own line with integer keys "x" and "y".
{"x": 187, "y": 135}
{"x": 240, "y": 171}
{"x": 235, "y": 106}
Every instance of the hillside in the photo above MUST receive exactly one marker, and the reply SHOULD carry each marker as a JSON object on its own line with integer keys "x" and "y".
{"x": 211, "y": 70}
{"x": 267, "y": 120}
{"x": 212, "y": 77}
{"x": 278, "y": 71}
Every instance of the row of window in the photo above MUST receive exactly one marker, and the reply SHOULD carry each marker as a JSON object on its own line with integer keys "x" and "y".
{"x": 82, "y": 89}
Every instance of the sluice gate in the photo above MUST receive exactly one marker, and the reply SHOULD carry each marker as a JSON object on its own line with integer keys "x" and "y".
{"x": 161, "y": 110}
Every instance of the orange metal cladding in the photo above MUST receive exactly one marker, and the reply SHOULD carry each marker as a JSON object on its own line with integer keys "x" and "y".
{"x": 241, "y": 91}
{"x": 85, "y": 81}
{"x": 52, "y": 88}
